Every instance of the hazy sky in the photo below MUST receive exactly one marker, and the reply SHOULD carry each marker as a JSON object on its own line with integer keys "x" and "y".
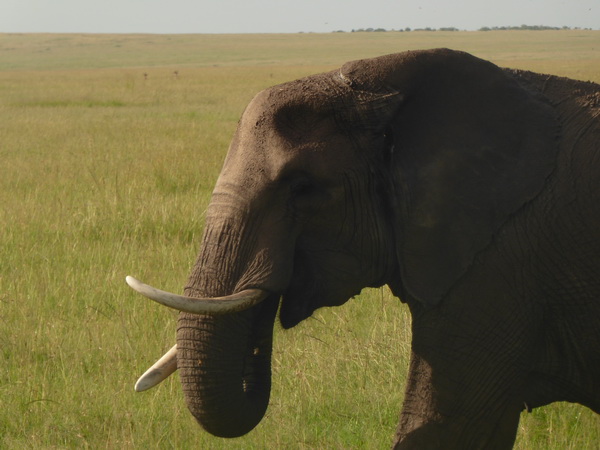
{"x": 288, "y": 16}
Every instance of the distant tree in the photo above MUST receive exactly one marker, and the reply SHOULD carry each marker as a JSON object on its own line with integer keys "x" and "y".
{"x": 523, "y": 27}
{"x": 503, "y": 28}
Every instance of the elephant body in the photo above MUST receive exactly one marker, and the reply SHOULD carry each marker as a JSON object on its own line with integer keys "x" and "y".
{"x": 521, "y": 328}
{"x": 472, "y": 191}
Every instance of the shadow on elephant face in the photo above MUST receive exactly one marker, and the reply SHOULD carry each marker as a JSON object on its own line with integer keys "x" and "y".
{"x": 312, "y": 165}
{"x": 392, "y": 170}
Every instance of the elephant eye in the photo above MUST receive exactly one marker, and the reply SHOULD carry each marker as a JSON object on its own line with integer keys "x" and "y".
{"x": 303, "y": 188}
{"x": 307, "y": 196}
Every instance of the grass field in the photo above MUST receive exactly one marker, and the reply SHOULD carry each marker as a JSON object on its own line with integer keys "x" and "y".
{"x": 107, "y": 161}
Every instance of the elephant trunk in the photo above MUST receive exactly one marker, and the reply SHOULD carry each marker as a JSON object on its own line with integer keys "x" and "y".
{"x": 224, "y": 361}
{"x": 225, "y": 368}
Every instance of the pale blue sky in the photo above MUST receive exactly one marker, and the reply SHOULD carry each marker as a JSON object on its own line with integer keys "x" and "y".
{"x": 287, "y": 16}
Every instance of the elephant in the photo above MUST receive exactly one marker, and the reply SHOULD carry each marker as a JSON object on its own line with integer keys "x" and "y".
{"x": 472, "y": 191}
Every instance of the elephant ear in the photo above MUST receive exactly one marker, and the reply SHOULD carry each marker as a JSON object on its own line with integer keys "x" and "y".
{"x": 470, "y": 148}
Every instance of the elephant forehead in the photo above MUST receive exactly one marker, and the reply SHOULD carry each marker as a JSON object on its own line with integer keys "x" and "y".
{"x": 316, "y": 93}
{"x": 286, "y": 117}
{"x": 293, "y": 127}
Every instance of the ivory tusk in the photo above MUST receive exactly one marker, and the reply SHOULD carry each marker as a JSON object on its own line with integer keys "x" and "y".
{"x": 215, "y": 306}
{"x": 160, "y": 371}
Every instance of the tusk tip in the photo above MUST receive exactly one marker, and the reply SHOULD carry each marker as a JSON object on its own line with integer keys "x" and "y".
{"x": 159, "y": 372}
{"x": 130, "y": 280}
{"x": 141, "y": 385}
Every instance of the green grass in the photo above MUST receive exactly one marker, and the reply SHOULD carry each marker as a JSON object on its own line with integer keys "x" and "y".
{"x": 106, "y": 172}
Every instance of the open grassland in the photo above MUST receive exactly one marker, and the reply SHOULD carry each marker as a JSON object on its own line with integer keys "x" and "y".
{"x": 107, "y": 161}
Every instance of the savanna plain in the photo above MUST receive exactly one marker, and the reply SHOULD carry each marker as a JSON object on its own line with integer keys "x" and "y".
{"x": 109, "y": 148}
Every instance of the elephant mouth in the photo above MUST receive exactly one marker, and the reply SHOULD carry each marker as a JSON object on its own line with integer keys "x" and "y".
{"x": 292, "y": 311}
{"x": 298, "y": 299}
{"x": 314, "y": 285}
{"x": 304, "y": 288}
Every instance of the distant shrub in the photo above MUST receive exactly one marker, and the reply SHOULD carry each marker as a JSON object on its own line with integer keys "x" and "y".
{"x": 524, "y": 27}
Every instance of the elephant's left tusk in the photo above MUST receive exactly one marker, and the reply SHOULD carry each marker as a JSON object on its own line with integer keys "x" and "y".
{"x": 159, "y": 372}
{"x": 215, "y": 306}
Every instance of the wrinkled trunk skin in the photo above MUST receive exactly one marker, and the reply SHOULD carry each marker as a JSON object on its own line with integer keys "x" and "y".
{"x": 225, "y": 362}
{"x": 225, "y": 369}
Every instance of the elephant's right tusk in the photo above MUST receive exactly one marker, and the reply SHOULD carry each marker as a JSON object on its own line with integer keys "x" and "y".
{"x": 214, "y": 306}
{"x": 160, "y": 371}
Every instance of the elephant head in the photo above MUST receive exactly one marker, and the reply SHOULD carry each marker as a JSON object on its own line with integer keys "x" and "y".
{"x": 394, "y": 170}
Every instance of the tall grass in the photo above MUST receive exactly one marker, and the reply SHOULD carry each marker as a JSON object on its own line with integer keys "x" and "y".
{"x": 106, "y": 171}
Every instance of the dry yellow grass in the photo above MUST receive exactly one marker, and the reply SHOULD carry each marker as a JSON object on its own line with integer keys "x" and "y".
{"x": 106, "y": 172}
